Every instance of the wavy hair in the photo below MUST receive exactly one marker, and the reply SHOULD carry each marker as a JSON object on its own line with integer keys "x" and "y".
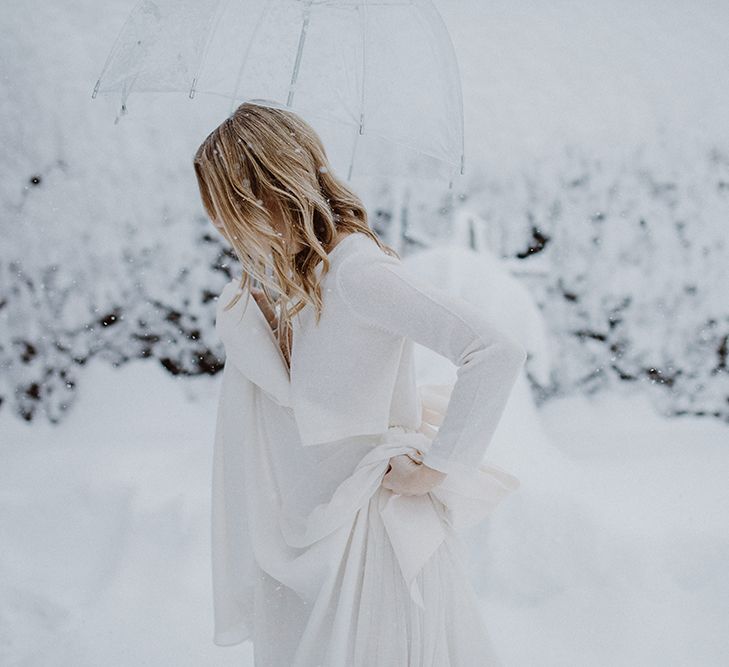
{"x": 264, "y": 161}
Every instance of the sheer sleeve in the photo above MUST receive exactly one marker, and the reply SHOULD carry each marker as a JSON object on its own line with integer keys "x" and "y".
{"x": 383, "y": 293}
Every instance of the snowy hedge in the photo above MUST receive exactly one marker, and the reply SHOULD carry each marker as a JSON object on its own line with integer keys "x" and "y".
{"x": 638, "y": 284}
{"x": 636, "y": 290}
{"x": 56, "y": 319}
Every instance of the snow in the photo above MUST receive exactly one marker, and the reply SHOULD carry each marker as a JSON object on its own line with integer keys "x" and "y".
{"x": 619, "y": 557}
{"x": 613, "y": 552}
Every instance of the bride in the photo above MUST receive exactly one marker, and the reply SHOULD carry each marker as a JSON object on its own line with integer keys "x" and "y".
{"x": 339, "y": 484}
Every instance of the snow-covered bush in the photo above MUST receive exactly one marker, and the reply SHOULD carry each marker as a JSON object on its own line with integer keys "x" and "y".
{"x": 55, "y": 319}
{"x": 638, "y": 285}
{"x": 636, "y": 291}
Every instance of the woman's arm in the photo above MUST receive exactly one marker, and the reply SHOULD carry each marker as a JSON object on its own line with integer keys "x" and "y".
{"x": 383, "y": 293}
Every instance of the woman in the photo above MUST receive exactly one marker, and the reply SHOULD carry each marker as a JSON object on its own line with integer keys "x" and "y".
{"x": 336, "y": 499}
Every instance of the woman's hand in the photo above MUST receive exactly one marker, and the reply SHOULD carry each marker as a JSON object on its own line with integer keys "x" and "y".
{"x": 408, "y": 476}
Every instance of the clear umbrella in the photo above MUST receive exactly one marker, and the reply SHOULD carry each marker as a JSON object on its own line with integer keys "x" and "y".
{"x": 378, "y": 79}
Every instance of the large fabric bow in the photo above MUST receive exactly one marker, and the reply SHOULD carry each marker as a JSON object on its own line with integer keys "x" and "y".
{"x": 416, "y": 525}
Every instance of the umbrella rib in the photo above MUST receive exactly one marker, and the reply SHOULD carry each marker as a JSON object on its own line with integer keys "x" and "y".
{"x": 264, "y": 12}
{"x": 220, "y": 9}
{"x": 112, "y": 51}
{"x": 299, "y": 52}
{"x": 459, "y": 88}
{"x": 364, "y": 67}
{"x": 363, "y": 22}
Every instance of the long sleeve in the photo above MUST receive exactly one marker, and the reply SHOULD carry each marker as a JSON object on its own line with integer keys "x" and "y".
{"x": 383, "y": 293}
{"x": 250, "y": 345}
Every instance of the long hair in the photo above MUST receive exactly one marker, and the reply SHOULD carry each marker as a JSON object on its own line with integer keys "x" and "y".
{"x": 261, "y": 161}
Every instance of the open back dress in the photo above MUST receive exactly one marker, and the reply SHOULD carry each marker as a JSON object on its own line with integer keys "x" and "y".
{"x": 313, "y": 560}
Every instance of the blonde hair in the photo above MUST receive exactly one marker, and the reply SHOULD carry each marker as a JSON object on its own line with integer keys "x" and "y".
{"x": 262, "y": 157}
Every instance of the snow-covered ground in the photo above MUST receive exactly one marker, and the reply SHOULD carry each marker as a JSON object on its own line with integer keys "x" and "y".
{"x": 621, "y": 559}
{"x": 614, "y": 551}
{"x": 618, "y": 558}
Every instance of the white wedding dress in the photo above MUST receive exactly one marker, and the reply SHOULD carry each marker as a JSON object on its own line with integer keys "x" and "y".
{"x": 313, "y": 560}
{"x": 342, "y": 571}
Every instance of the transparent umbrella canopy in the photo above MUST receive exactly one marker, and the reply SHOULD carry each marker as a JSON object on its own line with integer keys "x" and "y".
{"x": 377, "y": 79}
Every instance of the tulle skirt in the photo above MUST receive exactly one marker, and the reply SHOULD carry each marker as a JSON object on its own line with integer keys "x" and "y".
{"x": 365, "y": 616}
